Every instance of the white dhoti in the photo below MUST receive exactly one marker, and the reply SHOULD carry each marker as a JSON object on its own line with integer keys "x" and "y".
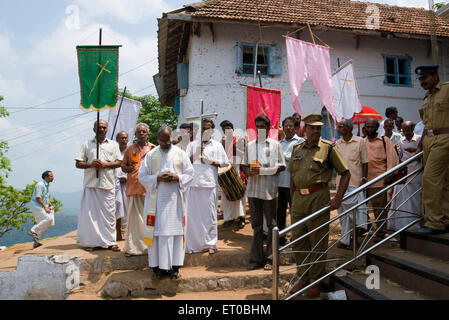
{"x": 201, "y": 231}
{"x": 96, "y": 222}
{"x": 120, "y": 202}
{"x": 403, "y": 211}
{"x": 347, "y": 221}
{"x": 134, "y": 242}
{"x": 232, "y": 209}
{"x": 43, "y": 220}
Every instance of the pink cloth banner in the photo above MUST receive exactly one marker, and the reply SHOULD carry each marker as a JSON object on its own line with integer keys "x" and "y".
{"x": 309, "y": 60}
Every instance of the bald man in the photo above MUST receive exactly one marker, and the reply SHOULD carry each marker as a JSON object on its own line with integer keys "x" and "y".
{"x": 96, "y": 222}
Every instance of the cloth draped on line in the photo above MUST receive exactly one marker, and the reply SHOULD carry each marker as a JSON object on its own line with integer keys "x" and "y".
{"x": 164, "y": 212}
{"x": 96, "y": 223}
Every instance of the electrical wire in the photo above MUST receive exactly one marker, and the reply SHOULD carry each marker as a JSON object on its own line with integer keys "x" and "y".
{"x": 50, "y": 134}
{"x": 49, "y": 146}
{"x": 48, "y": 124}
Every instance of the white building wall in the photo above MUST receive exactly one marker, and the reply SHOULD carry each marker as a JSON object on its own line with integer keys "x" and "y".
{"x": 212, "y": 74}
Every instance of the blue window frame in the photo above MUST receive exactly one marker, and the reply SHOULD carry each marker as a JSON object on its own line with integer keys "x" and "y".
{"x": 397, "y": 71}
{"x": 269, "y": 59}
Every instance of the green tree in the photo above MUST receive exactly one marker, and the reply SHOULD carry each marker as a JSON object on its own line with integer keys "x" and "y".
{"x": 154, "y": 115}
{"x": 14, "y": 211}
{"x": 438, "y": 5}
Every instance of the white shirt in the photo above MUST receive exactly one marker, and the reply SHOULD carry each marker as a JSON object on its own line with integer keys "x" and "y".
{"x": 206, "y": 175}
{"x": 109, "y": 151}
{"x": 419, "y": 128}
{"x": 381, "y": 130}
{"x": 270, "y": 156}
{"x": 405, "y": 144}
{"x": 287, "y": 148}
{"x": 118, "y": 171}
{"x": 395, "y": 137}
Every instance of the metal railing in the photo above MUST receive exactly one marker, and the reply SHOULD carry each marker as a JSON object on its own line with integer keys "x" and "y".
{"x": 357, "y": 252}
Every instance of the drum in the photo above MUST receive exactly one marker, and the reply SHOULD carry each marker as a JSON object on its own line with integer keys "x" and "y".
{"x": 230, "y": 183}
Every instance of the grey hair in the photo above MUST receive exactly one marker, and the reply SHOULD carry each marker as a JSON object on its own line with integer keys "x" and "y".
{"x": 347, "y": 123}
{"x": 143, "y": 125}
{"x": 163, "y": 129}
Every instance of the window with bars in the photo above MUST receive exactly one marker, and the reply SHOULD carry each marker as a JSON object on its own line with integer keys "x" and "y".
{"x": 397, "y": 71}
{"x": 269, "y": 59}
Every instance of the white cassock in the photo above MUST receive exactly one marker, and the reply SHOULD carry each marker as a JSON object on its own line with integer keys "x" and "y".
{"x": 120, "y": 196}
{"x": 404, "y": 207}
{"x": 232, "y": 209}
{"x": 167, "y": 249}
{"x": 201, "y": 200}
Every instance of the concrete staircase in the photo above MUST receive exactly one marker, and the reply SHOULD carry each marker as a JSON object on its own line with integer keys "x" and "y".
{"x": 418, "y": 270}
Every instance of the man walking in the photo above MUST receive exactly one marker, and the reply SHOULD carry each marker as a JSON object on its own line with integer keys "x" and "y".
{"x": 41, "y": 208}
{"x": 264, "y": 160}
{"x": 166, "y": 173}
{"x": 96, "y": 223}
{"x": 135, "y": 191}
{"x": 234, "y": 148}
{"x": 206, "y": 157}
{"x": 382, "y": 156}
{"x": 355, "y": 155}
{"x": 120, "y": 188}
{"x": 311, "y": 168}
{"x": 435, "y": 142}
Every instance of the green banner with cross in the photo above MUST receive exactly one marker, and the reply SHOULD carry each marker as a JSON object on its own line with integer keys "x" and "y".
{"x": 98, "y": 72}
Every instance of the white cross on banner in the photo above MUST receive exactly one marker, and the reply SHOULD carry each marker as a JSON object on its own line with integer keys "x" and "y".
{"x": 346, "y": 93}
{"x": 127, "y": 119}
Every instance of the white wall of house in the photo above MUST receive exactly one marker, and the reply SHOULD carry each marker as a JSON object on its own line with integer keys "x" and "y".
{"x": 212, "y": 76}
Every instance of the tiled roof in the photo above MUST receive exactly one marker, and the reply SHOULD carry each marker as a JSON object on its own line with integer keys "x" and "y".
{"x": 342, "y": 14}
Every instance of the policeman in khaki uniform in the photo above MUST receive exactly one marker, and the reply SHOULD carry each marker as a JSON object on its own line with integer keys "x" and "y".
{"x": 311, "y": 167}
{"x": 435, "y": 141}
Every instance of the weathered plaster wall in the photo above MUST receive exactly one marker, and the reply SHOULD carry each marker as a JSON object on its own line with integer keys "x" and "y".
{"x": 212, "y": 76}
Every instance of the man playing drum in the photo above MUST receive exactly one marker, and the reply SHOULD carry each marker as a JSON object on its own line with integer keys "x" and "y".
{"x": 234, "y": 147}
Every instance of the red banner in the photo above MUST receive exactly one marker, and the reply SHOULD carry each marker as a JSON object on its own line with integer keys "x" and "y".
{"x": 263, "y": 101}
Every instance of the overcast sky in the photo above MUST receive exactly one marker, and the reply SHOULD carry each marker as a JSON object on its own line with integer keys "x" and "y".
{"x": 38, "y": 64}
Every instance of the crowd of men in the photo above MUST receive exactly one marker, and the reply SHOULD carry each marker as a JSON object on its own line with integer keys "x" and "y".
{"x": 166, "y": 196}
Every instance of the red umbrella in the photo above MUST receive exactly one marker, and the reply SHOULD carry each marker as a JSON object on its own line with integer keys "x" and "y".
{"x": 367, "y": 112}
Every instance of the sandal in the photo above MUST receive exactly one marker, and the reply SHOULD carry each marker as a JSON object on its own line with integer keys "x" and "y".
{"x": 212, "y": 251}
{"x": 114, "y": 248}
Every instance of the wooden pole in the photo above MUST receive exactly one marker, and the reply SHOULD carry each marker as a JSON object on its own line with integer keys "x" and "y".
{"x": 98, "y": 117}
{"x": 118, "y": 114}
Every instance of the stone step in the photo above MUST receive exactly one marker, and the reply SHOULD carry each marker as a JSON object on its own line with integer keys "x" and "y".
{"x": 140, "y": 283}
{"x": 436, "y": 246}
{"x": 354, "y": 285}
{"x": 237, "y": 294}
{"x": 417, "y": 272}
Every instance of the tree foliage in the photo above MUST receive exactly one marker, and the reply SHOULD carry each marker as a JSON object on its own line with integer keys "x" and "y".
{"x": 439, "y": 5}
{"x": 14, "y": 210}
{"x": 154, "y": 115}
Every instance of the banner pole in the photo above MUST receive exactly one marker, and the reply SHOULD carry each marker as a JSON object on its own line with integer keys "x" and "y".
{"x": 118, "y": 114}
{"x": 98, "y": 116}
